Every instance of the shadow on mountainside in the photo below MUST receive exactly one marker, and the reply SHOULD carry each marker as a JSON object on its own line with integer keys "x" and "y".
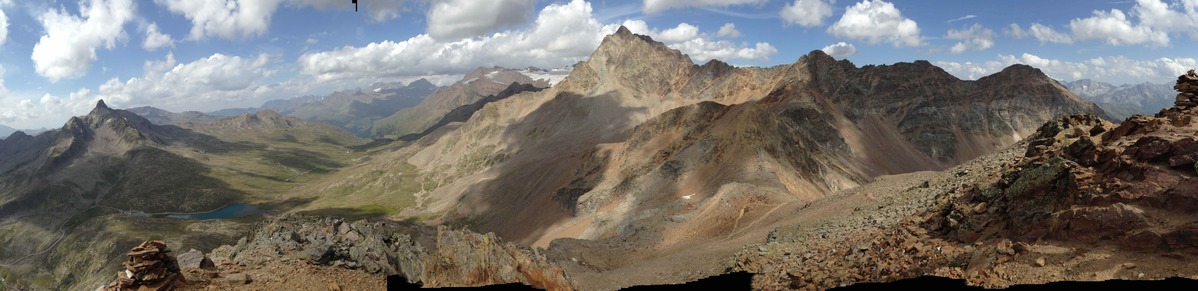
{"x": 464, "y": 112}
{"x": 55, "y": 224}
{"x": 203, "y": 142}
{"x": 551, "y": 143}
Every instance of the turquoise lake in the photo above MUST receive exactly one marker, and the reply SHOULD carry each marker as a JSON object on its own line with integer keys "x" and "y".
{"x": 229, "y": 211}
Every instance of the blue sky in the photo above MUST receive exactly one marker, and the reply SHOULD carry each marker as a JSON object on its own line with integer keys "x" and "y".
{"x": 58, "y": 57}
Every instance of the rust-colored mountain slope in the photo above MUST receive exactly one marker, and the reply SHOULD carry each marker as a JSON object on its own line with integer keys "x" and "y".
{"x": 639, "y": 129}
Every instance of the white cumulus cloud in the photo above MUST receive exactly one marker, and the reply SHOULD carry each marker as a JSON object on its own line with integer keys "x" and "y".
{"x": 974, "y": 38}
{"x": 728, "y": 31}
{"x": 686, "y": 39}
{"x": 702, "y": 50}
{"x": 227, "y": 19}
{"x": 1160, "y": 16}
{"x": 561, "y": 34}
{"x": 156, "y": 39}
{"x": 1113, "y": 69}
{"x": 3, "y": 27}
{"x": 806, "y": 13}
{"x": 657, "y": 6}
{"x": 684, "y": 32}
{"x": 1115, "y": 28}
{"x": 1041, "y": 32}
{"x": 840, "y": 50}
{"x": 456, "y": 19}
{"x": 1148, "y": 23}
{"x": 208, "y": 83}
{"x": 876, "y": 21}
{"x": 68, "y": 48}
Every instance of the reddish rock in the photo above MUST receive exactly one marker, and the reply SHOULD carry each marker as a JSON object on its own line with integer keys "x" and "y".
{"x": 1144, "y": 241}
{"x": 1149, "y": 148}
{"x": 1089, "y": 224}
{"x": 1184, "y": 239}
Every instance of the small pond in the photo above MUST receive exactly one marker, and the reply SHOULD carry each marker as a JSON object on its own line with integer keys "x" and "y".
{"x": 229, "y": 211}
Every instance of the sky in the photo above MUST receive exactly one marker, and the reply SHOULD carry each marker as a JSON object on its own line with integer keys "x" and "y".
{"x": 58, "y": 57}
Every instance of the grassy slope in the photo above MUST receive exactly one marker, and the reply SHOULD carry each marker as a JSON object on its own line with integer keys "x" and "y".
{"x": 381, "y": 184}
{"x": 264, "y": 168}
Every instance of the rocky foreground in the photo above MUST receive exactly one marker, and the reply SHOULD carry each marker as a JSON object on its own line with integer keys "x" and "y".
{"x": 1081, "y": 200}
{"x": 320, "y": 253}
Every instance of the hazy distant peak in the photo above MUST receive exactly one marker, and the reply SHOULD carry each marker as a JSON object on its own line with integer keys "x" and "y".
{"x": 6, "y": 131}
{"x": 422, "y": 82}
{"x": 16, "y": 135}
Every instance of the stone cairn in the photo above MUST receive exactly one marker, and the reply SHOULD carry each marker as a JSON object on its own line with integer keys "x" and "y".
{"x": 1188, "y": 86}
{"x": 150, "y": 267}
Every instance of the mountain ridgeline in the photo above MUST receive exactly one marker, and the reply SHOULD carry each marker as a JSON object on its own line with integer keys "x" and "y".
{"x": 639, "y": 134}
{"x": 1124, "y": 101}
{"x": 474, "y": 87}
{"x": 5, "y": 131}
{"x": 69, "y": 197}
{"x": 637, "y": 160}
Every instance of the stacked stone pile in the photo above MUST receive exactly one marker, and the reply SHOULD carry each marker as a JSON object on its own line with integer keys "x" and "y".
{"x": 150, "y": 267}
{"x": 1188, "y": 86}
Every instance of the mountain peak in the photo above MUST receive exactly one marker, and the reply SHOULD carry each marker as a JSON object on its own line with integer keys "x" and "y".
{"x": 1019, "y": 73}
{"x": 422, "y": 82}
{"x": 261, "y": 118}
{"x": 17, "y": 135}
{"x": 628, "y": 58}
{"x": 101, "y": 108}
{"x": 1021, "y": 69}
{"x": 623, "y": 31}
{"x": 818, "y": 54}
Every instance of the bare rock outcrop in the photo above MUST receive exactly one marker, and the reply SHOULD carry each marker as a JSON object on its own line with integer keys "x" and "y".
{"x": 1079, "y": 196}
{"x": 440, "y": 257}
{"x": 1088, "y": 181}
{"x": 194, "y": 259}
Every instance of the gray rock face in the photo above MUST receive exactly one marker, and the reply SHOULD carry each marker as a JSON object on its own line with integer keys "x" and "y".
{"x": 194, "y": 259}
{"x": 438, "y": 257}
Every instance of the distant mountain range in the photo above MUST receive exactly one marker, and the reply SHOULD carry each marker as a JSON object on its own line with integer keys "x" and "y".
{"x": 639, "y": 160}
{"x": 5, "y": 131}
{"x": 1125, "y": 100}
{"x": 163, "y": 117}
{"x": 353, "y": 110}
{"x": 394, "y": 108}
{"x": 474, "y": 87}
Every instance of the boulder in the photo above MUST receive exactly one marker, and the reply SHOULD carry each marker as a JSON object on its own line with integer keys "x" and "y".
{"x": 194, "y": 259}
